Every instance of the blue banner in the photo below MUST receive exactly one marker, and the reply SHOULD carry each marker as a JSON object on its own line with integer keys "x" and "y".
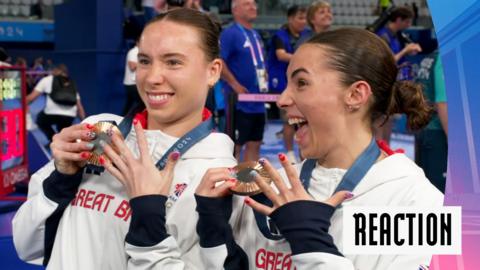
{"x": 26, "y": 31}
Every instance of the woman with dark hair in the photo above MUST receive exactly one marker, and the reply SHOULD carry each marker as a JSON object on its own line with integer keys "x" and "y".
{"x": 140, "y": 212}
{"x": 339, "y": 83}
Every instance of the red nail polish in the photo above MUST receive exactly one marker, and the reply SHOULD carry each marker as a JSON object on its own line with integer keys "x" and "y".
{"x": 281, "y": 156}
{"x": 135, "y": 121}
{"x": 101, "y": 160}
{"x": 85, "y": 155}
{"x": 232, "y": 180}
{"x": 247, "y": 200}
{"x": 175, "y": 155}
{"x": 89, "y": 126}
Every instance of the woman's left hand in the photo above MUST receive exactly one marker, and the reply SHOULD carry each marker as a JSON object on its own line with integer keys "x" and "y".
{"x": 296, "y": 191}
{"x": 140, "y": 176}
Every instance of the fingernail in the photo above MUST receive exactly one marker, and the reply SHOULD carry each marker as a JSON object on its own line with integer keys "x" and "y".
{"x": 101, "y": 160}
{"x": 90, "y": 145}
{"x": 135, "y": 121}
{"x": 247, "y": 200}
{"x": 89, "y": 126}
{"x": 232, "y": 172}
{"x": 91, "y": 135}
{"x": 102, "y": 143}
{"x": 349, "y": 195}
{"x": 281, "y": 156}
{"x": 85, "y": 155}
{"x": 232, "y": 180}
{"x": 261, "y": 161}
{"x": 175, "y": 155}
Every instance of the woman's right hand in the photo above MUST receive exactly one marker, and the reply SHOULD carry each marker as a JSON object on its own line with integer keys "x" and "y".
{"x": 68, "y": 154}
{"x": 209, "y": 186}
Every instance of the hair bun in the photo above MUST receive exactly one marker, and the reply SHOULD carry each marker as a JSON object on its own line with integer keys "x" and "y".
{"x": 407, "y": 97}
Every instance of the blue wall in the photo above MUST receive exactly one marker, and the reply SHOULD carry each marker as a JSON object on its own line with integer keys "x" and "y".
{"x": 88, "y": 38}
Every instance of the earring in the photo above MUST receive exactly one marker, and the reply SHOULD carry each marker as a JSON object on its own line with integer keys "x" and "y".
{"x": 352, "y": 108}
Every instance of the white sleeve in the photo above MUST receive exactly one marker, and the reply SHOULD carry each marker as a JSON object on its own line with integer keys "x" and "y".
{"x": 305, "y": 224}
{"x": 217, "y": 243}
{"x": 422, "y": 194}
{"x": 28, "y": 224}
{"x": 164, "y": 255}
{"x": 35, "y": 223}
{"x": 48, "y": 192}
{"x": 132, "y": 55}
{"x": 148, "y": 245}
{"x": 44, "y": 85}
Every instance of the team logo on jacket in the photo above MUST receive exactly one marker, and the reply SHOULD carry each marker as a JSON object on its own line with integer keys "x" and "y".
{"x": 179, "y": 189}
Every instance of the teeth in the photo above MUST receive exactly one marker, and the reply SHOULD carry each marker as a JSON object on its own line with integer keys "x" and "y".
{"x": 296, "y": 121}
{"x": 158, "y": 97}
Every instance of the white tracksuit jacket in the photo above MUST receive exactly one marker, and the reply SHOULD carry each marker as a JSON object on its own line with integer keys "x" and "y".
{"x": 393, "y": 181}
{"x": 93, "y": 216}
{"x": 95, "y": 223}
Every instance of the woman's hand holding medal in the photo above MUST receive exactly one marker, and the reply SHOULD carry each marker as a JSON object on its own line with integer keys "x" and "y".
{"x": 71, "y": 148}
{"x": 216, "y": 183}
{"x": 286, "y": 194}
{"x": 139, "y": 175}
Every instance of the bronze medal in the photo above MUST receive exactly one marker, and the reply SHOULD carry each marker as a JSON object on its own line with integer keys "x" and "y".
{"x": 246, "y": 183}
{"x": 104, "y": 132}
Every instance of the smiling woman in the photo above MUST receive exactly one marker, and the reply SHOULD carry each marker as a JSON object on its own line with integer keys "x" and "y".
{"x": 144, "y": 210}
{"x": 339, "y": 82}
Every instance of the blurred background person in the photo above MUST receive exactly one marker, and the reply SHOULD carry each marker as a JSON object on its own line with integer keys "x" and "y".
{"x": 431, "y": 143}
{"x": 282, "y": 46}
{"x": 132, "y": 97}
{"x": 244, "y": 72}
{"x": 319, "y": 16}
{"x": 194, "y": 4}
{"x": 3, "y": 58}
{"x": 148, "y": 9}
{"x": 400, "y": 19}
{"x": 55, "y": 114}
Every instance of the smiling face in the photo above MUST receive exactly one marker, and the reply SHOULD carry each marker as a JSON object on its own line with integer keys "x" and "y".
{"x": 173, "y": 74}
{"x": 322, "y": 18}
{"x": 298, "y": 22}
{"x": 314, "y": 100}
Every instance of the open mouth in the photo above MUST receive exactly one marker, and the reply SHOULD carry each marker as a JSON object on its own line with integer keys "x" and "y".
{"x": 297, "y": 122}
{"x": 301, "y": 127}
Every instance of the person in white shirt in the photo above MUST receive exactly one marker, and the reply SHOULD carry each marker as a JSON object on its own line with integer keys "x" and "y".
{"x": 3, "y": 58}
{"x": 55, "y": 114}
{"x": 129, "y": 80}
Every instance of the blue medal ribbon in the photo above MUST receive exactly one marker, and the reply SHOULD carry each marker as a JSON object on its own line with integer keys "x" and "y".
{"x": 182, "y": 145}
{"x": 349, "y": 181}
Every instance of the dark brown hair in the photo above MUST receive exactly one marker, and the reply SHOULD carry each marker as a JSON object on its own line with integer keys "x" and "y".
{"x": 401, "y": 12}
{"x": 360, "y": 55}
{"x": 209, "y": 29}
{"x": 295, "y": 9}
